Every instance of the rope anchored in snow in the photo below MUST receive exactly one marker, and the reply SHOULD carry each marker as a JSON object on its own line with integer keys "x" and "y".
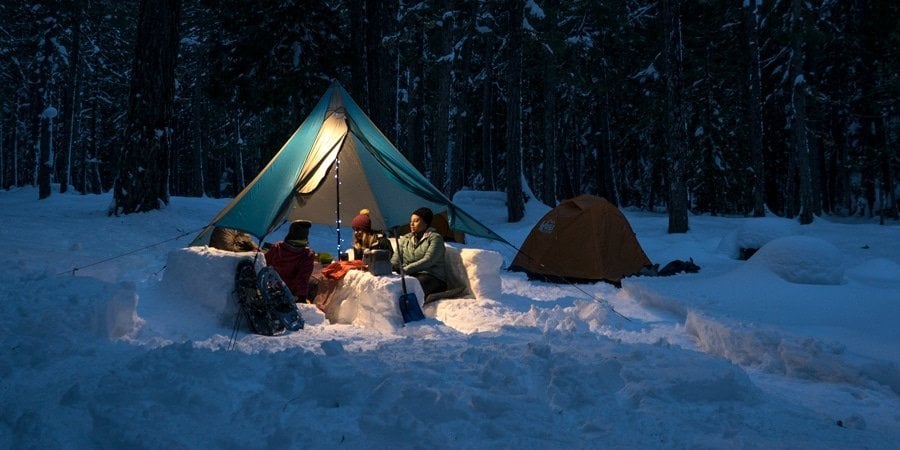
{"x": 571, "y": 284}
{"x": 146, "y": 247}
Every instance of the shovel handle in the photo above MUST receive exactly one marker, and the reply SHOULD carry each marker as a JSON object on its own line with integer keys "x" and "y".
{"x": 400, "y": 255}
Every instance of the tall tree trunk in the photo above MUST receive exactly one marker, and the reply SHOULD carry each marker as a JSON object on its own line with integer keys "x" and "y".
{"x": 197, "y": 145}
{"x": 141, "y": 183}
{"x": 487, "y": 125}
{"x": 87, "y": 180}
{"x": 45, "y": 169}
{"x": 415, "y": 148}
{"x": 372, "y": 61}
{"x": 15, "y": 145}
{"x": 840, "y": 165}
{"x": 2, "y": 154}
{"x": 33, "y": 136}
{"x": 381, "y": 30}
{"x": 799, "y": 138}
{"x": 462, "y": 126}
{"x": 441, "y": 123}
{"x": 240, "y": 180}
{"x": 609, "y": 188}
{"x": 565, "y": 181}
{"x": 95, "y": 150}
{"x": 676, "y": 132}
{"x": 889, "y": 185}
{"x": 816, "y": 156}
{"x": 514, "y": 201}
{"x": 550, "y": 138}
{"x": 754, "y": 108}
{"x": 550, "y": 122}
{"x": 69, "y": 101}
{"x": 46, "y": 166}
{"x": 387, "y": 76}
{"x": 359, "y": 76}
{"x": 789, "y": 184}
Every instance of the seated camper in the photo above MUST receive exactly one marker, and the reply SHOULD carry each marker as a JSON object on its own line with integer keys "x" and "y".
{"x": 293, "y": 259}
{"x": 365, "y": 238}
{"x": 420, "y": 253}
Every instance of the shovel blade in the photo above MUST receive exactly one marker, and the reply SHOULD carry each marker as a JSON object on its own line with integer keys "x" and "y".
{"x": 409, "y": 308}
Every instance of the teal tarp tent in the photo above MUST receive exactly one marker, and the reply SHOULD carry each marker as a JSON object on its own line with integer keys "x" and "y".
{"x": 334, "y": 165}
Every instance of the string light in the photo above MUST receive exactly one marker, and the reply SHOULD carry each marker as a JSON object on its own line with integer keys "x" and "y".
{"x": 337, "y": 181}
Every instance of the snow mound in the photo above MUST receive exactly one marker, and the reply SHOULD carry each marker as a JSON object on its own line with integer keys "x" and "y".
{"x": 772, "y": 351}
{"x": 493, "y": 202}
{"x": 66, "y": 309}
{"x": 756, "y": 233}
{"x": 800, "y": 259}
{"x": 491, "y": 199}
{"x": 470, "y": 316}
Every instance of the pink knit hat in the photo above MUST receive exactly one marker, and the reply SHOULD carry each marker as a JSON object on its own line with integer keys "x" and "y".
{"x": 362, "y": 221}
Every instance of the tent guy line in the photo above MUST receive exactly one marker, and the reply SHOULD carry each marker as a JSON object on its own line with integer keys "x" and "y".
{"x": 573, "y": 285}
{"x": 131, "y": 252}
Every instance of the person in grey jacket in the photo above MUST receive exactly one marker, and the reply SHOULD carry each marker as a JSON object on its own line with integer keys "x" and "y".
{"x": 422, "y": 253}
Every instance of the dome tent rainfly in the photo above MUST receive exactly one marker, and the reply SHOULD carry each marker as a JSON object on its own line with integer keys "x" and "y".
{"x": 583, "y": 239}
{"x": 334, "y": 165}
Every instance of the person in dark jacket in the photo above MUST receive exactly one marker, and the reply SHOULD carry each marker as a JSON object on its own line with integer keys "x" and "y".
{"x": 422, "y": 251}
{"x": 293, "y": 259}
{"x": 365, "y": 238}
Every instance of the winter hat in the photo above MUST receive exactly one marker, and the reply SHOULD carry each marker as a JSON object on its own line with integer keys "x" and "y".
{"x": 425, "y": 214}
{"x": 362, "y": 221}
{"x": 299, "y": 231}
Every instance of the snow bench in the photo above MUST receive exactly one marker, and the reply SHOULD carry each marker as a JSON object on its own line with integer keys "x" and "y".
{"x": 474, "y": 270}
{"x": 206, "y": 275}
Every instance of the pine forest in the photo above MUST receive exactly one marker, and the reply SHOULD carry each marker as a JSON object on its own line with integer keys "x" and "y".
{"x": 782, "y": 107}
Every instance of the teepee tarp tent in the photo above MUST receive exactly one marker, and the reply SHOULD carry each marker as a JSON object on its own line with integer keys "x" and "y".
{"x": 336, "y": 164}
{"x": 585, "y": 238}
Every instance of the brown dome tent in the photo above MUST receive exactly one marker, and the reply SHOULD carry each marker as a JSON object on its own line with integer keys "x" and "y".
{"x": 584, "y": 239}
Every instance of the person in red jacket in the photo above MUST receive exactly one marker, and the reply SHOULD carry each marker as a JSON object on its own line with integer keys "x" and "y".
{"x": 293, "y": 259}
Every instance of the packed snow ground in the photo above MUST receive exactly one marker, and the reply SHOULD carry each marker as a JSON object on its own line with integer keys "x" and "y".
{"x": 798, "y": 347}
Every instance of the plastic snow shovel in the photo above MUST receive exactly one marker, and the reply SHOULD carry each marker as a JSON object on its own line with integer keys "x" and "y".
{"x": 409, "y": 303}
